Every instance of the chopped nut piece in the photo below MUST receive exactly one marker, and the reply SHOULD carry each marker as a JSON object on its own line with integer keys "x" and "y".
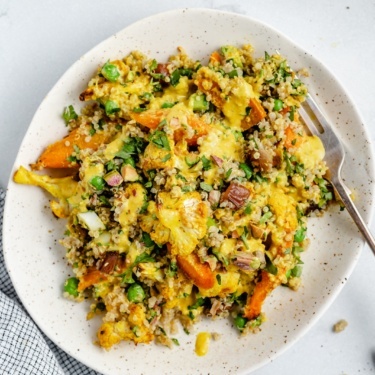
{"x": 236, "y": 194}
{"x": 340, "y": 326}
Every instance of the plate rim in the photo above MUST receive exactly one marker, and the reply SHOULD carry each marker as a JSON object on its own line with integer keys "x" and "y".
{"x": 364, "y": 129}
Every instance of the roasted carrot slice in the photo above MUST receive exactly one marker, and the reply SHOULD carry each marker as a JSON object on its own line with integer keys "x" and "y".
{"x": 215, "y": 57}
{"x": 291, "y": 138}
{"x": 199, "y": 273}
{"x": 91, "y": 278}
{"x": 256, "y": 115}
{"x": 57, "y": 154}
{"x": 284, "y": 110}
{"x": 201, "y": 128}
{"x": 255, "y": 302}
{"x": 152, "y": 118}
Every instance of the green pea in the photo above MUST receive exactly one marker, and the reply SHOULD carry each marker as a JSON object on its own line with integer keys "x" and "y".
{"x": 98, "y": 183}
{"x": 240, "y": 322}
{"x": 71, "y": 286}
{"x": 278, "y": 105}
{"x": 110, "y": 72}
{"x": 111, "y": 107}
{"x": 136, "y": 293}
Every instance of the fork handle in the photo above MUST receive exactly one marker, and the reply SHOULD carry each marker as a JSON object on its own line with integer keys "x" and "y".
{"x": 349, "y": 205}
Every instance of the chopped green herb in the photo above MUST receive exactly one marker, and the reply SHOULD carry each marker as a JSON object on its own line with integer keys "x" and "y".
{"x": 168, "y": 105}
{"x": 166, "y": 158}
{"x": 146, "y": 239}
{"x": 248, "y": 210}
{"x": 92, "y": 131}
{"x": 292, "y": 112}
{"x": 199, "y": 302}
{"x": 162, "y": 331}
{"x": 144, "y": 207}
{"x": 178, "y": 73}
{"x": 205, "y": 187}
{"x": 153, "y": 65}
{"x": 296, "y": 271}
{"x": 181, "y": 177}
{"x": 218, "y": 278}
{"x": 300, "y": 234}
{"x": 146, "y": 96}
{"x": 248, "y": 171}
{"x": 72, "y": 159}
{"x": 175, "y": 341}
{"x": 270, "y": 267}
{"x": 187, "y": 188}
{"x": 191, "y": 315}
{"x": 139, "y": 109}
{"x": 199, "y": 103}
{"x": 233, "y": 73}
{"x": 210, "y": 222}
{"x": 172, "y": 269}
{"x": 244, "y": 237}
{"x": 135, "y": 330}
{"x": 159, "y": 139}
{"x": 296, "y": 83}
{"x": 191, "y": 162}
{"x": 207, "y": 165}
{"x": 228, "y": 173}
{"x": 143, "y": 258}
{"x": 69, "y": 114}
{"x": 265, "y": 217}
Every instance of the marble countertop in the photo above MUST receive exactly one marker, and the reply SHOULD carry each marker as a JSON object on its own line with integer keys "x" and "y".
{"x": 40, "y": 40}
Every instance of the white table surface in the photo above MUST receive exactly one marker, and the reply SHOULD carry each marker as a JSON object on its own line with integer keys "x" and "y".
{"x": 40, "y": 39}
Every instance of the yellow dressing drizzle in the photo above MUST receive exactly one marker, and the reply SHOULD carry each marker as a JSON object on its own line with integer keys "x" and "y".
{"x": 202, "y": 343}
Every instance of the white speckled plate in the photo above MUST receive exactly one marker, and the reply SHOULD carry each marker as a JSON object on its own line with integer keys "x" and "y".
{"x": 35, "y": 260}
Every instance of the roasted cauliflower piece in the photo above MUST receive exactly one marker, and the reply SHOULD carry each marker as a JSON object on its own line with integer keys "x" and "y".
{"x": 185, "y": 217}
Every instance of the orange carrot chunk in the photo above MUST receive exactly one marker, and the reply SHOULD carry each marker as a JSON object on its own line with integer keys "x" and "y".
{"x": 215, "y": 57}
{"x": 59, "y": 154}
{"x": 91, "y": 278}
{"x": 255, "y": 302}
{"x": 199, "y": 273}
{"x": 152, "y": 118}
{"x": 257, "y": 112}
{"x": 291, "y": 138}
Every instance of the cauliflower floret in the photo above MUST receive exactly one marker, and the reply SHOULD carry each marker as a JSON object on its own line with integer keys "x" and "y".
{"x": 60, "y": 188}
{"x": 127, "y": 207}
{"x": 150, "y": 224}
{"x": 155, "y": 157}
{"x": 228, "y": 284}
{"x": 128, "y": 204}
{"x": 186, "y": 217}
{"x": 111, "y": 333}
{"x": 284, "y": 207}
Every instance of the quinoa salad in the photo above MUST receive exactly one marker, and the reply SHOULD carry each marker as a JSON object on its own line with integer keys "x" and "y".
{"x": 187, "y": 191}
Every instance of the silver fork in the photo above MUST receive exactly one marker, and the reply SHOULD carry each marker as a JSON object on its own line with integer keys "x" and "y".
{"x": 334, "y": 157}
